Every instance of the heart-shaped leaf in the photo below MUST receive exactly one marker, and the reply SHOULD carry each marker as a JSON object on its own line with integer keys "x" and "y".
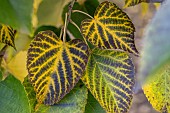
{"x": 109, "y": 76}
{"x": 110, "y": 28}
{"x": 7, "y": 35}
{"x": 54, "y": 66}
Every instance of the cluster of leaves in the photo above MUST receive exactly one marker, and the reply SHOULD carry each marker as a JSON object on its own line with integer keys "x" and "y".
{"x": 56, "y": 66}
{"x": 104, "y": 66}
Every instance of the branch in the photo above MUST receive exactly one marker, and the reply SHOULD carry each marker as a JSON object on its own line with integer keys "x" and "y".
{"x": 67, "y": 19}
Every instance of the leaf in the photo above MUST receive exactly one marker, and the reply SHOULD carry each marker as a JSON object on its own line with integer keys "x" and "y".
{"x": 30, "y": 94}
{"x": 93, "y": 106}
{"x": 1, "y": 75}
{"x": 157, "y": 89}
{"x": 54, "y": 66}
{"x": 109, "y": 76}
{"x": 110, "y": 28}
{"x": 17, "y": 65}
{"x": 129, "y": 3}
{"x": 91, "y": 6}
{"x": 7, "y": 35}
{"x": 13, "y": 96}
{"x": 17, "y": 14}
{"x": 156, "y": 44}
{"x": 47, "y": 27}
{"x": 75, "y": 102}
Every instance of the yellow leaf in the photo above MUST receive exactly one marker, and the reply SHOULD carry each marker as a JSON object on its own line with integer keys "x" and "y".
{"x": 129, "y": 3}
{"x": 17, "y": 66}
{"x": 157, "y": 89}
{"x": 110, "y": 28}
{"x": 7, "y": 35}
{"x": 54, "y": 66}
{"x": 109, "y": 76}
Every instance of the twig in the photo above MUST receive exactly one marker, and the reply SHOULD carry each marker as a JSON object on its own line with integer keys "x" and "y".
{"x": 67, "y": 19}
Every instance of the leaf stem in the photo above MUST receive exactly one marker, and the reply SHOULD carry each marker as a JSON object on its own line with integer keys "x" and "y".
{"x": 78, "y": 11}
{"x": 71, "y": 21}
{"x": 65, "y": 28}
{"x": 61, "y": 32}
{"x": 67, "y": 19}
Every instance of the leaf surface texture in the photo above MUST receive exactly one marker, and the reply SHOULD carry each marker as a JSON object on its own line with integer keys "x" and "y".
{"x": 109, "y": 76}
{"x": 54, "y": 66}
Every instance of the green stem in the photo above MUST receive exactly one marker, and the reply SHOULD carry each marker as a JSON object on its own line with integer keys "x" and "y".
{"x": 78, "y": 11}
{"x": 67, "y": 19}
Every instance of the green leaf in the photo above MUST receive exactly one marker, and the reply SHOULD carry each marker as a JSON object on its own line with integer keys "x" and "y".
{"x": 156, "y": 44}
{"x": 157, "y": 89}
{"x": 75, "y": 102}
{"x": 54, "y": 66}
{"x": 109, "y": 76}
{"x": 93, "y": 106}
{"x": 91, "y": 6}
{"x": 110, "y": 28}
{"x": 1, "y": 75}
{"x": 7, "y": 35}
{"x": 13, "y": 96}
{"x": 47, "y": 27}
{"x": 17, "y": 14}
{"x": 30, "y": 94}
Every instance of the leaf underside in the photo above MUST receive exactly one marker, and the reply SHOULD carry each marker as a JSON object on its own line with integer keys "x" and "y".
{"x": 109, "y": 76}
{"x": 157, "y": 89}
{"x": 54, "y": 66}
{"x": 7, "y": 35}
{"x": 110, "y": 28}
